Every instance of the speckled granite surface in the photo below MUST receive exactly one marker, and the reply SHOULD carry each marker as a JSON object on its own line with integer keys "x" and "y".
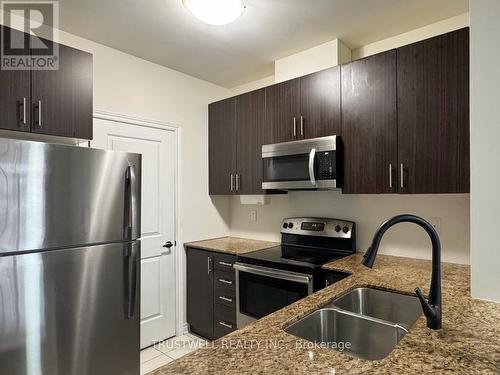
{"x": 231, "y": 245}
{"x": 469, "y": 342}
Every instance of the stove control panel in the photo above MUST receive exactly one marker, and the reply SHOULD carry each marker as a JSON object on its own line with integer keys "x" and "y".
{"x": 314, "y": 226}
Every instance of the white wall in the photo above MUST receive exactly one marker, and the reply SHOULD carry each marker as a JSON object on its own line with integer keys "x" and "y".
{"x": 369, "y": 211}
{"x": 127, "y": 85}
{"x": 311, "y": 60}
{"x": 425, "y": 32}
{"x": 485, "y": 141}
{"x": 254, "y": 85}
{"x": 131, "y": 86}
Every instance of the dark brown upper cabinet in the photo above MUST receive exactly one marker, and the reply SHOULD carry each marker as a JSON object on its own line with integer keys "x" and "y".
{"x": 320, "y": 112}
{"x": 403, "y": 118}
{"x": 250, "y": 135}
{"x": 282, "y": 111}
{"x": 62, "y": 99}
{"x": 433, "y": 114}
{"x": 369, "y": 119}
{"x": 55, "y": 102}
{"x": 305, "y": 107}
{"x": 14, "y": 93}
{"x": 222, "y": 147}
{"x": 237, "y": 131}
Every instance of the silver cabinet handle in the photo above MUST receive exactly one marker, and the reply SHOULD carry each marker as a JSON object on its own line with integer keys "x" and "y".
{"x": 40, "y": 113}
{"x": 209, "y": 265}
{"x": 226, "y": 299}
{"x": 230, "y": 326}
{"x": 301, "y": 125}
{"x": 312, "y": 156}
{"x": 226, "y": 281}
{"x": 294, "y": 127}
{"x": 231, "y": 183}
{"x": 226, "y": 264}
{"x": 237, "y": 182}
{"x": 402, "y": 177}
{"x": 390, "y": 175}
{"x": 24, "y": 110}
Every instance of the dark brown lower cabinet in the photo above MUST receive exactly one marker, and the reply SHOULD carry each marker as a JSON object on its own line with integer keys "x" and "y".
{"x": 211, "y": 301}
{"x": 433, "y": 114}
{"x": 369, "y": 119}
{"x": 200, "y": 292}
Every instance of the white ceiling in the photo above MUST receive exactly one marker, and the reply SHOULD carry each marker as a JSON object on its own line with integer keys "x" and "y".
{"x": 164, "y": 32}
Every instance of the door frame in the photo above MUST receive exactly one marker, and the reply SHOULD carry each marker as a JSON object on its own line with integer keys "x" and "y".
{"x": 180, "y": 328}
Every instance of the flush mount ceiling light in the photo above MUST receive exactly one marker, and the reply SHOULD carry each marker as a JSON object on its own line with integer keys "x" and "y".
{"x": 215, "y": 12}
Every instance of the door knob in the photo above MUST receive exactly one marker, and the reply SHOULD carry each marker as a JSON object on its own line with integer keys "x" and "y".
{"x": 168, "y": 245}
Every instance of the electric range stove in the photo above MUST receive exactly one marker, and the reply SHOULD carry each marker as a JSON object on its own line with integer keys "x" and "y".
{"x": 269, "y": 279}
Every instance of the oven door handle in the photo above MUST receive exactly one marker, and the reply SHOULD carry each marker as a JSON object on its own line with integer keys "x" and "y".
{"x": 274, "y": 273}
{"x": 312, "y": 156}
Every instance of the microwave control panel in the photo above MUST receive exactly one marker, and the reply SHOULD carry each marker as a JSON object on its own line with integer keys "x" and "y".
{"x": 325, "y": 165}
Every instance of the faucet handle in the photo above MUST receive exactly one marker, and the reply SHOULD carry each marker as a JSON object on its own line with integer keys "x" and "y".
{"x": 430, "y": 312}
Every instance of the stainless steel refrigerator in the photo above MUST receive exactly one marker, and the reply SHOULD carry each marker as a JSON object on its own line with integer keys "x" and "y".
{"x": 69, "y": 260}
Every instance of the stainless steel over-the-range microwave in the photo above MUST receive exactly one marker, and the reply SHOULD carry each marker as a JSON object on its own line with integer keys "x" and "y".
{"x": 302, "y": 165}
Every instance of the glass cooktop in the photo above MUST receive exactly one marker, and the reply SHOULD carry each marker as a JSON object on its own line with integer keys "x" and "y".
{"x": 292, "y": 257}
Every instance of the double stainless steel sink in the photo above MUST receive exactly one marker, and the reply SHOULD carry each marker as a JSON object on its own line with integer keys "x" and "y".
{"x": 365, "y": 322}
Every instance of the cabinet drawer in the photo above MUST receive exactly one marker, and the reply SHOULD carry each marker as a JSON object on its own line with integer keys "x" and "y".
{"x": 224, "y": 314}
{"x": 224, "y": 262}
{"x": 224, "y": 280}
{"x": 226, "y": 297}
{"x": 222, "y": 328}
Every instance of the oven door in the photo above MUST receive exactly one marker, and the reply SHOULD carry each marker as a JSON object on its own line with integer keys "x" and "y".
{"x": 261, "y": 291}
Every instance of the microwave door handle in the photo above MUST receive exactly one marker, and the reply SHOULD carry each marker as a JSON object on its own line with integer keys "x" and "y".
{"x": 312, "y": 156}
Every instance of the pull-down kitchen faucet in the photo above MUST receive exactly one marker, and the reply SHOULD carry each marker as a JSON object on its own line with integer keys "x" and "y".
{"x": 432, "y": 309}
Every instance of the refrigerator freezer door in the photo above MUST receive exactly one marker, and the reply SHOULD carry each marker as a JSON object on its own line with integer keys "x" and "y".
{"x": 56, "y": 196}
{"x": 69, "y": 311}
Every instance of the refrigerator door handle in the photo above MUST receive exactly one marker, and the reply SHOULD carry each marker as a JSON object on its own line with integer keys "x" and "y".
{"x": 131, "y": 204}
{"x": 130, "y": 265}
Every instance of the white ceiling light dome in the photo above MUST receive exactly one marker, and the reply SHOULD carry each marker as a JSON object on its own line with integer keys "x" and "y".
{"x": 215, "y": 12}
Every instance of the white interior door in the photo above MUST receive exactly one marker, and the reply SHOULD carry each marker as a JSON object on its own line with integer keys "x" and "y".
{"x": 158, "y": 149}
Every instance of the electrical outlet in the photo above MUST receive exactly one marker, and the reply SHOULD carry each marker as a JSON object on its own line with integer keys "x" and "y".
{"x": 253, "y": 215}
{"x": 436, "y": 223}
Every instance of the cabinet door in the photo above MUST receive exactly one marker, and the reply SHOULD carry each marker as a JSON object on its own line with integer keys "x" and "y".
{"x": 250, "y": 120}
{"x": 369, "y": 119}
{"x": 14, "y": 91}
{"x": 222, "y": 147}
{"x": 62, "y": 99}
{"x": 320, "y": 113}
{"x": 282, "y": 111}
{"x": 200, "y": 292}
{"x": 433, "y": 114}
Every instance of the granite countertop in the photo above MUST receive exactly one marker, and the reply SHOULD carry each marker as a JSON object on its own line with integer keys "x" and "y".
{"x": 231, "y": 245}
{"x": 468, "y": 343}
